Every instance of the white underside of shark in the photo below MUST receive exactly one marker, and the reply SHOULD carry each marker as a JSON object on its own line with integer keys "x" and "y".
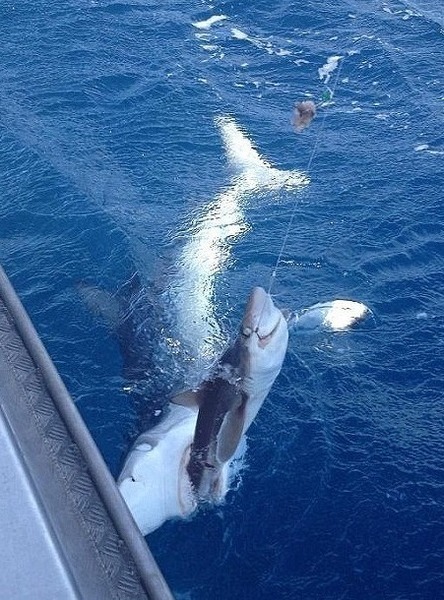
{"x": 154, "y": 481}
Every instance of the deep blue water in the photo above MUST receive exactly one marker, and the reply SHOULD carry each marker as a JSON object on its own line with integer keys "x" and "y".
{"x": 108, "y": 158}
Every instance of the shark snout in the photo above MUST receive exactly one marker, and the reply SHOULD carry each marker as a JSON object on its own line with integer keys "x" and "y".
{"x": 261, "y": 317}
{"x": 257, "y": 306}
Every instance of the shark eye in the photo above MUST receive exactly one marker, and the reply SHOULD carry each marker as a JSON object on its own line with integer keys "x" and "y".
{"x": 247, "y": 331}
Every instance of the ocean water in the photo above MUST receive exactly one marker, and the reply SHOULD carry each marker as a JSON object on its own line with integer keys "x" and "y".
{"x": 111, "y": 164}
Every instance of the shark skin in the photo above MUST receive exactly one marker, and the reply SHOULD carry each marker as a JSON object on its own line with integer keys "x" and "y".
{"x": 185, "y": 459}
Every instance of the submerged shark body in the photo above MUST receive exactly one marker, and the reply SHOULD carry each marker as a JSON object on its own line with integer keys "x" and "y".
{"x": 130, "y": 315}
{"x": 133, "y": 319}
{"x": 185, "y": 459}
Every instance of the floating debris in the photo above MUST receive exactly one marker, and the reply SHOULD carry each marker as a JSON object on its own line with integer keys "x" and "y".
{"x": 304, "y": 112}
{"x": 327, "y": 95}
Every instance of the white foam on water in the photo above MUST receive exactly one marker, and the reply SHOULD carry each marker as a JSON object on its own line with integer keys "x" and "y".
{"x": 428, "y": 149}
{"x": 422, "y": 315}
{"x": 283, "y": 52}
{"x": 209, "y": 22}
{"x": 265, "y": 45}
{"x": 238, "y": 34}
{"x": 326, "y": 70}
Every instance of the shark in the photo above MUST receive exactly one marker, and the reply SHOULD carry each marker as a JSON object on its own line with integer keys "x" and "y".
{"x": 185, "y": 459}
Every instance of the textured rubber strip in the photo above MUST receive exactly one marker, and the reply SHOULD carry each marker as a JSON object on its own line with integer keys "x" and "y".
{"x": 148, "y": 571}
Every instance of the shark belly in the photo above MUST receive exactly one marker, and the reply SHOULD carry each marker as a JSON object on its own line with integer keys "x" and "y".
{"x": 154, "y": 482}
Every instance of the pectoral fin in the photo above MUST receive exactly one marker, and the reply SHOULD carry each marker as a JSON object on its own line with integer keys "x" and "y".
{"x": 231, "y": 432}
{"x": 337, "y": 315}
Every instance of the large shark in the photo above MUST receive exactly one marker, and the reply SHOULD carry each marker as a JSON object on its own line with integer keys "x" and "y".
{"x": 185, "y": 459}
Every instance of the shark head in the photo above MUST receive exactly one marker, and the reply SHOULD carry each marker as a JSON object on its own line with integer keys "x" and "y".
{"x": 230, "y": 399}
{"x": 263, "y": 341}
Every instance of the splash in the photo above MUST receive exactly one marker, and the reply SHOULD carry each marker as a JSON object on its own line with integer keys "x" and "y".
{"x": 326, "y": 70}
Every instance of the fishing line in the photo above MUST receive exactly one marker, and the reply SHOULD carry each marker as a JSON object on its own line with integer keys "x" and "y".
{"x": 331, "y": 93}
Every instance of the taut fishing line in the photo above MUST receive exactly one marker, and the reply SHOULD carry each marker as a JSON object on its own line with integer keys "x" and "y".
{"x": 331, "y": 93}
